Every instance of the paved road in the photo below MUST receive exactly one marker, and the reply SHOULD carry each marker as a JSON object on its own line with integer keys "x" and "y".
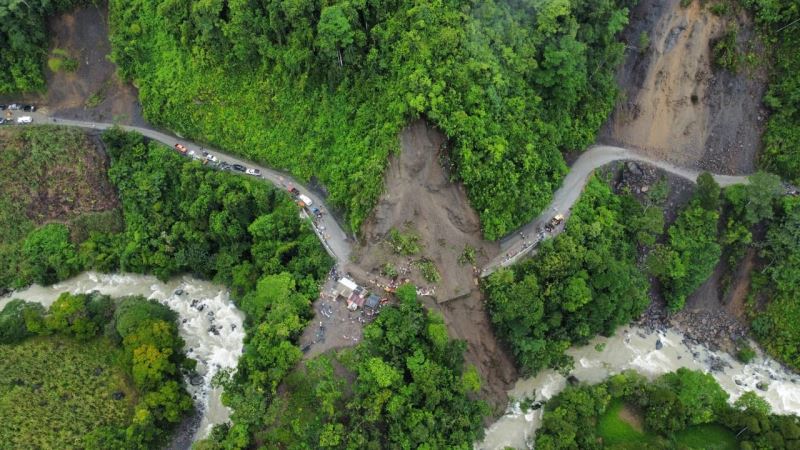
{"x": 329, "y": 231}
{"x": 514, "y": 247}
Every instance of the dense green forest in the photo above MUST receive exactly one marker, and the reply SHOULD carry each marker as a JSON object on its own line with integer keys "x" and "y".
{"x": 778, "y": 21}
{"x": 23, "y": 42}
{"x": 683, "y": 409}
{"x": 322, "y": 89}
{"x": 777, "y": 323}
{"x": 583, "y": 282}
{"x": 182, "y": 217}
{"x": 691, "y": 251}
{"x": 135, "y": 340}
{"x": 403, "y": 386}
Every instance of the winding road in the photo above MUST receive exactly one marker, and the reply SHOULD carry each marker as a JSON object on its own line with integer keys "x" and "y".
{"x": 329, "y": 231}
{"x": 513, "y": 247}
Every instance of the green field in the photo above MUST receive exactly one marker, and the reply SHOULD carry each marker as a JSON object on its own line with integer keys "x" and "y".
{"x": 53, "y": 390}
{"x": 706, "y": 437}
{"x": 619, "y": 433}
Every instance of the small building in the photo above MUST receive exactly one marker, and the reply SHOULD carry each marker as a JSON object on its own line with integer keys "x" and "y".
{"x": 355, "y": 301}
{"x": 372, "y": 301}
{"x": 345, "y": 287}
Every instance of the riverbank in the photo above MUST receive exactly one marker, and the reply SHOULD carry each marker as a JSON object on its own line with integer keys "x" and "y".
{"x": 651, "y": 353}
{"x": 209, "y": 323}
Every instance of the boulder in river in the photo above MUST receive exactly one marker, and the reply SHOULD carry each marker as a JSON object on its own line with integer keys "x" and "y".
{"x": 762, "y": 385}
{"x": 573, "y": 380}
{"x": 659, "y": 344}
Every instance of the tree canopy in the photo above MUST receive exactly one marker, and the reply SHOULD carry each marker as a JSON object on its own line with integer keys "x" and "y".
{"x": 322, "y": 89}
{"x": 583, "y": 282}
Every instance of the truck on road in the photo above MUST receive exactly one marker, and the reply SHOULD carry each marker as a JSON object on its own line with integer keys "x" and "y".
{"x": 306, "y": 201}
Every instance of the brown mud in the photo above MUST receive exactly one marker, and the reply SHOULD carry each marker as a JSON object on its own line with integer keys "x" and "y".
{"x": 420, "y": 198}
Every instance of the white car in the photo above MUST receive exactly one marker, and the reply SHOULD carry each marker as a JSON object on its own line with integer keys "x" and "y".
{"x": 24, "y": 119}
{"x": 254, "y": 172}
{"x": 211, "y": 158}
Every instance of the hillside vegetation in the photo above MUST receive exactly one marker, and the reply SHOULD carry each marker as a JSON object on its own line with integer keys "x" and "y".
{"x": 584, "y": 282}
{"x": 53, "y": 192}
{"x": 403, "y": 386}
{"x": 323, "y": 89}
{"x": 781, "y": 32}
{"x": 101, "y": 374}
{"x": 23, "y": 42}
{"x": 683, "y": 409}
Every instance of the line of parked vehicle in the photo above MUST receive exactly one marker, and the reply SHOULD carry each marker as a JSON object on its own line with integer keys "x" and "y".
{"x": 210, "y": 159}
{"x": 8, "y": 119}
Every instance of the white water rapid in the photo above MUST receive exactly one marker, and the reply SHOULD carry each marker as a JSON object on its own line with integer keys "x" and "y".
{"x": 207, "y": 320}
{"x": 634, "y": 348}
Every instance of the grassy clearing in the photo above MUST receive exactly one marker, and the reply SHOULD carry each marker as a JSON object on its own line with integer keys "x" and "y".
{"x": 707, "y": 437}
{"x": 53, "y": 390}
{"x": 619, "y": 432}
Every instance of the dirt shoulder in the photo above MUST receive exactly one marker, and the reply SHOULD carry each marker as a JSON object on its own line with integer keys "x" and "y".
{"x": 676, "y": 105}
{"x": 420, "y": 199}
{"x": 92, "y": 91}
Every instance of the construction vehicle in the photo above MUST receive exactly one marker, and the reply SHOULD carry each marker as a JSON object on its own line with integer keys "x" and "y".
{"x": 557, "y": 220}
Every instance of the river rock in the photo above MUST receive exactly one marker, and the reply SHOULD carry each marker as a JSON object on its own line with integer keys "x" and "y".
{"x": 178, "y": 291}
{"x": 573, "y": 380}
{"x": 659, "y": 344}
{"x": 762, "y": 385}
{"x": 196, "y": 380}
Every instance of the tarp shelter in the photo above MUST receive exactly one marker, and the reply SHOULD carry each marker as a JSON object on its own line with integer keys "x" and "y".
{"x": 345, "y": 287}
{"x": 373, "y": 301}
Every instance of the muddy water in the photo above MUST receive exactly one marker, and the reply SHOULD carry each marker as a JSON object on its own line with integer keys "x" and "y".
{"x": 207, "y": 320}
{"x": 633, "y": 348}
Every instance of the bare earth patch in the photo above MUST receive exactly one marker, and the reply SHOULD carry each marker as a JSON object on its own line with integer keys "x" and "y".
{"x": 420, "y": 199}
{"x": 57, "y": 186}
{"x": 93, "y": 91}
{"x": 676, "y": 106}
{"x": 631, "y": 417}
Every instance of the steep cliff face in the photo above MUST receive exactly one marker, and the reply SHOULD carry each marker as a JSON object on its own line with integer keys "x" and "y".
{"x": 676, "y": 104}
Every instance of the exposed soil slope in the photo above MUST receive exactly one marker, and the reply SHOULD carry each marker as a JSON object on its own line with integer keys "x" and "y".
{"x": 54, "y": 174}
{"x": 93, "y": 91}
{"x": 420, "y": 198}
{"x": 676, "y": 105}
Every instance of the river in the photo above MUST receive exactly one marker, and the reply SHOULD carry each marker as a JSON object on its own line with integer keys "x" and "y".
{"x": 207, "y": 320}
{"x": 634, "y": 348}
